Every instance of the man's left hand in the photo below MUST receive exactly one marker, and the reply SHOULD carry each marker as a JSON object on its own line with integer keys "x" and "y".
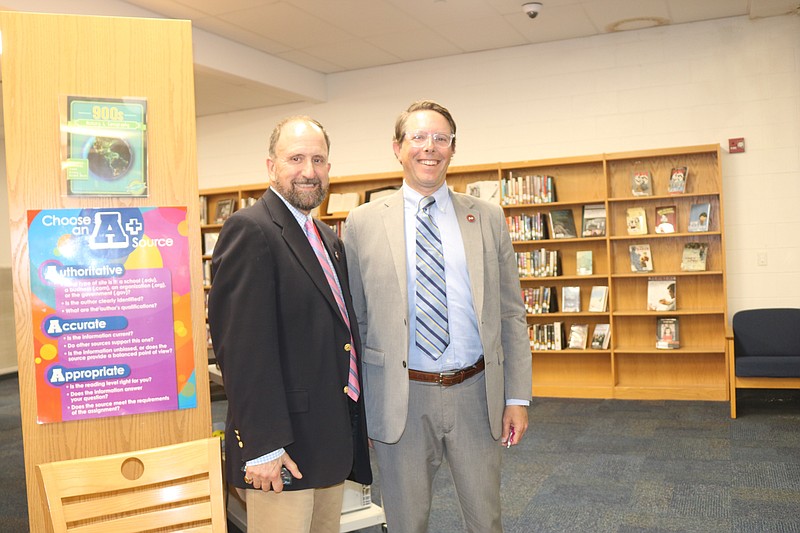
{"x": 515, "y": 418}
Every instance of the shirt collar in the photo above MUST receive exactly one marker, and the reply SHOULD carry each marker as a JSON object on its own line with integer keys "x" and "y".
{"x": 441, "y": 195}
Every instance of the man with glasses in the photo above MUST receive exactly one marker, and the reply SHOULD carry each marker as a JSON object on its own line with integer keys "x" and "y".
{"x": 446, "y": 359}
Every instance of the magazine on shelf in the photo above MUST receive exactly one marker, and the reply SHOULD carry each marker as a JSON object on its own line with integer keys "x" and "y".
{"x": 666, "y": 219}
{"x": 694, "y": 256}
{"x": 677, "y": 180}
{"x": 594, "y": 220}
{"x": 578, "y": 335}
{"x": 641, "y": 259}
{"x": 583, "y": 262}
{"x": 699, "y": 216}
{"x": 342, "y": 202}
{"x": 562, "y": 225}
{"x": 641, "y": 183}
{"x": 598, "y": 300}
{"x": 570, "y": 299}
{"x": 636, "y": 221}
{"x": 601, "y": 336}
{"x": 661, "y": 294}
{"x": 209, "y": 241}
{"x": 667, "y": 333}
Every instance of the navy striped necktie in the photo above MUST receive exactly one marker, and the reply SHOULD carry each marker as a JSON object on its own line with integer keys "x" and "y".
{"x": 432, "y": 335}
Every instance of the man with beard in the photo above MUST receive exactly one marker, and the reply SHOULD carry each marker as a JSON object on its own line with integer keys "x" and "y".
{"x": 279, "y": 313}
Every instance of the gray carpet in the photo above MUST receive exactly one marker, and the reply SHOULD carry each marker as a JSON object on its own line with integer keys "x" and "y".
{"x": 593, "y": 466}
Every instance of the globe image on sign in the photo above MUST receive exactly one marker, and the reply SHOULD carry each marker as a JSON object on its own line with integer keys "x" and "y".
{"x": 109, "y": 158}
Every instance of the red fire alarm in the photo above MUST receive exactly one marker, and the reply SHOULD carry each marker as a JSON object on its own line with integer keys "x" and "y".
{"x": 736, "y": 146}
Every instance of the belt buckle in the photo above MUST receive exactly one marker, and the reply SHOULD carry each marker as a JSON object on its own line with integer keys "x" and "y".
{"x": 443, "y": 375}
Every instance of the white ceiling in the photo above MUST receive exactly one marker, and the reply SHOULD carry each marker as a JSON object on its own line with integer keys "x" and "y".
{"x": 286, "y": 47}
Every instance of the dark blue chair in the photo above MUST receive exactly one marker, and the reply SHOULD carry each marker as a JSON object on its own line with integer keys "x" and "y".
{"x": 763, "y": 351}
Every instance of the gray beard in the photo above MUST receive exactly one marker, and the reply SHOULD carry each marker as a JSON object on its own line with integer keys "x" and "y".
{"x": 304, "y": 201}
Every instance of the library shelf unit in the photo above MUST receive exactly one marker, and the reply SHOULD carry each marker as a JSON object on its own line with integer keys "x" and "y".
{"x": 631, "y": 367}
{"x": 214, "y": 202}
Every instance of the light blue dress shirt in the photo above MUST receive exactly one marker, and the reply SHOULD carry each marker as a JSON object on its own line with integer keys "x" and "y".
{"x": 465, "y": 347}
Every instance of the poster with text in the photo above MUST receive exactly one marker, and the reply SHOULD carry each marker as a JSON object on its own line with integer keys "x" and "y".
{"x": 106, "y": 146}
{"x": 110, "y": 293}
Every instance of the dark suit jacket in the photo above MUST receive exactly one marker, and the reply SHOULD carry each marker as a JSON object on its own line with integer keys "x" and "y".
{"x": 280, "y": 341}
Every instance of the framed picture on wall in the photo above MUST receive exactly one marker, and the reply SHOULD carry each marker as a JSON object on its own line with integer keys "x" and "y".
{"x": 224, "y": 209}
{"x": 377, "y": 194}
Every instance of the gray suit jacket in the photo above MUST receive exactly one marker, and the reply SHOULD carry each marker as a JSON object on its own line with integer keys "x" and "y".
{"x": 376, "y": 257}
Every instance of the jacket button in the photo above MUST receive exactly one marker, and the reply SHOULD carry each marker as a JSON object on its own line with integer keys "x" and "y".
{"x": 241, "y": 444}
{"x": 404, "y": 364}
{"x": 346, "y": 390}
{"x": 347, "y": 347}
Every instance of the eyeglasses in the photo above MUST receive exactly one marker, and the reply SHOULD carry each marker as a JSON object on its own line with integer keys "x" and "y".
{"x": 419, "y": 139}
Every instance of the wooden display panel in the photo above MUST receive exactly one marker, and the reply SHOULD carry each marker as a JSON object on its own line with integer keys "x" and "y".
{"x": 45, "y": 57}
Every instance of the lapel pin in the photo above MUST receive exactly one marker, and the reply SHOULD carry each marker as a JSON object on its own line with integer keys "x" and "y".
{"x": 470, "y": 218}
{"x": 336, "y": 255}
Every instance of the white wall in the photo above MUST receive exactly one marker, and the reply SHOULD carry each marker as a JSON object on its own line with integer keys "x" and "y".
{"x": 670, "y": 86}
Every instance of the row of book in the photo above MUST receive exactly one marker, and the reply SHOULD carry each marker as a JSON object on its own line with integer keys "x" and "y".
{"x": 552, "y": 336}
{"x": 528, "y": 227}
{"x": 540, "y": 300}
{"x": 539, "y": 263}
{"x": 662, "y": 295}
{"x": 693, "y": 258}
{"x": 571, "y": 299}
{"x": 666, "y": 218}
{"x": 522, "y": 190}
{"x": 642, "y": 181}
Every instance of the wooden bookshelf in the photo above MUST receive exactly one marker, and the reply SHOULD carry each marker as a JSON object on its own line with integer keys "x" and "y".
{"x": 632, "y": 367}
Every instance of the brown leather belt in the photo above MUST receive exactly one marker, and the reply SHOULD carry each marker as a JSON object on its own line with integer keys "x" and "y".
{"x": 445, "y": 379}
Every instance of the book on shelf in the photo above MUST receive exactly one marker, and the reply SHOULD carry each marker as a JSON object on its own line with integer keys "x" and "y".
{"x": 540, "y": 300}
{"x": 667, "y": 333}
{"x": 641, "y": 259}
{"x": 562, "y": 225}
{"x": 558, "y": 335}
{"x": 677, "y": 180}
{"x": 694, "y": 256}
{"x": 636, "y": 221}
{"x": 546, "y": 336}
{"x": 598, "y": 300}
{"x": 207, "y": 272}
{"x": 641, "y": 183}
{"x": 341, "y": 202}
{"x": 666, "y": 219}
{"x": 661, "y": 293}
{"x": 526, "y": 227}
{"x": 570, "y": 299}
{"x": 699, "y": 216}
{"x": 488, "y": 190}
{"x": 540, "y": 263}
{"x": 209, "y": 241}
{"x": 583, "y": 262}
{"x": 203, "y": 209}
{"x": 601, "y": 336}
{"x": 247, "y": 201}
{"x": 578, "y": 336}
{"x": 520, "y": 190}
{"x": 594, "y": 220}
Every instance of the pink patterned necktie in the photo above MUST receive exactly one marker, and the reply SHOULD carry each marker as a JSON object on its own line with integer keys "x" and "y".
{"x": 313, "y": 238}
